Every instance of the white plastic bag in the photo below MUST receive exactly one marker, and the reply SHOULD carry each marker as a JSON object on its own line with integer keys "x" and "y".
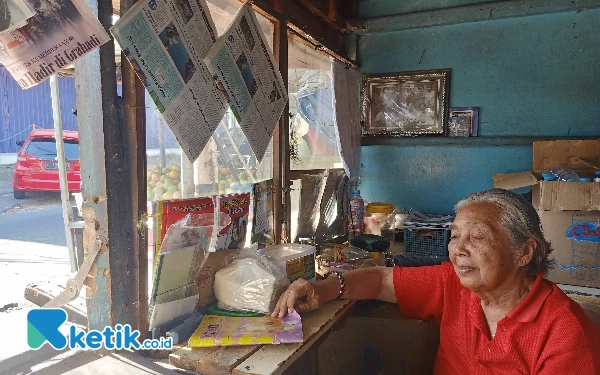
{"x": 249, "y": 282}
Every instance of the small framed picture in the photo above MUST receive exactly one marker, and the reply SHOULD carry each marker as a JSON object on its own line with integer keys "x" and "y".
{"x": 463, "y": 121}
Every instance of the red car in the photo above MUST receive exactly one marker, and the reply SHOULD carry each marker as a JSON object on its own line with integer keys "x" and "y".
{"x": 37, "y": 166}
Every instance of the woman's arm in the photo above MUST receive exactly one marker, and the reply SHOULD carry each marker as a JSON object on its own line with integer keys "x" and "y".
{"x": 362, "y": 284}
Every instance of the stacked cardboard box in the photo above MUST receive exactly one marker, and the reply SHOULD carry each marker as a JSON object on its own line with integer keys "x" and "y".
{"x": 569, "y": 211}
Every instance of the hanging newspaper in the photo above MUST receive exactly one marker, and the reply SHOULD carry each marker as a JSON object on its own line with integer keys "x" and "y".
{"x": 165, "y": 41}
{"x": 13, "y": 14}
{"x": 251, "y": 82}
{"x": 60, "y": 32}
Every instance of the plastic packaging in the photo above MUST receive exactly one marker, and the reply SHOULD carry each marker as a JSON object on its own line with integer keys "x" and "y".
{"x": 561, "y": 173}
{"x": 379, "y": 220}
{"x": 194, "y": 230}
{"x": 357, "y": 213}
{"x": 558, "y": 170}
{"x": 296, "y": 261}
{"x": 249, "y": 282}
{"x": 569, "y": 176}
{"x": 311, "y": 192}
{"x": 343, "y": 253}
{"x": 332, "y": 220}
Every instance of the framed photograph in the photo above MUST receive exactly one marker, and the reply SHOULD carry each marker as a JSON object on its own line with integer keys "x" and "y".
{"x": 406, "y": 104}
{"x": 463, "y": 121}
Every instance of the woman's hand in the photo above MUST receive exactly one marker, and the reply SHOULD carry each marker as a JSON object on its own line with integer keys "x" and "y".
{"x": 361, "y": 284}
{"x": 312, "y": 296}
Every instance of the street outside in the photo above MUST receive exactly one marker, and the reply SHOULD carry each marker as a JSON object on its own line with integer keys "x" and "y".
{"x": 32, "y": 248}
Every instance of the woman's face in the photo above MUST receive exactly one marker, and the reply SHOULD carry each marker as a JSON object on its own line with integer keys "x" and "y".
{"x": 480, "y": 249}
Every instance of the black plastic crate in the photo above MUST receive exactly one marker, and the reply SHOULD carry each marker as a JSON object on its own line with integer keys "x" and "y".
{"x": 426, "y": 241}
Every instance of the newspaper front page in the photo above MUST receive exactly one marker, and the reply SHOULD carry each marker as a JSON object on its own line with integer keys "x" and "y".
{"x": 61, "y": 32}
{"x": 165, "y": 41}
{"x": 249, "y": 79}
{"x": 13, "y": 14}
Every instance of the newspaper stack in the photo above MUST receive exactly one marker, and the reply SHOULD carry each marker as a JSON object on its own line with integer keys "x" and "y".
{"x": 417, "y": 220}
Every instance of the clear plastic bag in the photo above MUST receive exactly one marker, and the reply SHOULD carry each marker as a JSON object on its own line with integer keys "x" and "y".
{"x": 250, "y": 282}
{"x": 196, "y": 230}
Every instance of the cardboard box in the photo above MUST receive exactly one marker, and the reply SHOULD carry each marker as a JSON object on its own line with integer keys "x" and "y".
{"x": 206, "y": 276}
{"x": 575, "y": 238}
{"x": 580, "y": 156}
{"x": 375, "y": 339}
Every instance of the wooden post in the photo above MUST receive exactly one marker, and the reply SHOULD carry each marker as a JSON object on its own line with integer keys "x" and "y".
{"x": 112, "y": 191}
{"x": 135, "y": 162}
{"x": 281, "y": 136}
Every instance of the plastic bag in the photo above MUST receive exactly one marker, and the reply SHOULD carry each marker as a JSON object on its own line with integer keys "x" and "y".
{"x": 331, "y": 223}
{"x": 184, "y": 253}
{"x": 194, "y": 230}
{"x": 249, "y": 281}
{"x": 311, "y": 192}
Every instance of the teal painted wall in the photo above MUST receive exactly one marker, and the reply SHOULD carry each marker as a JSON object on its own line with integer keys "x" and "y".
{"x": 433, "y": 178}
{"x": 530, "y": 76}
{"x": 380, "y": 8}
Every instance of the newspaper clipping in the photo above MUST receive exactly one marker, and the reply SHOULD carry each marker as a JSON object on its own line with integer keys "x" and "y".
{"x": 13, "y": 14}
{"x": 60, "y": 32}
{"x": 165, "y": 42}
{"x": 249, "y": 79}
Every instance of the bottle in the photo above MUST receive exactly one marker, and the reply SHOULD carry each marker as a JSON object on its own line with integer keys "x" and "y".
{"x": 357, "y": 213}
{"x": 563, "y": 174}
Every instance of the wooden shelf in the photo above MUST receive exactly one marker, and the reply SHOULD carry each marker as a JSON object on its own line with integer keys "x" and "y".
{"x": 460, "y": 141}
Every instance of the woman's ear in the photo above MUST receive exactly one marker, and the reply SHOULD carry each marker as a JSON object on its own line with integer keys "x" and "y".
{"x": 526, "y": 255}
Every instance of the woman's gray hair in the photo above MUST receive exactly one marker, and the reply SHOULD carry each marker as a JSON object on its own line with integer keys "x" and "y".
{"x": 521, "y": 221}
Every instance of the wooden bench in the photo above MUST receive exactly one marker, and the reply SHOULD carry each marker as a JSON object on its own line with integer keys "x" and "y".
{"x": 262, "y": 359}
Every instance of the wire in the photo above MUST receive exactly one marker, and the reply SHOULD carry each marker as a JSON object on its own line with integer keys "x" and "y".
{"x": 19, "y": 133}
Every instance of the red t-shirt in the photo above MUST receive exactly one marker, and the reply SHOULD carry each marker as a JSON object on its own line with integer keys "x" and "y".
{"x": 546, "y": 333}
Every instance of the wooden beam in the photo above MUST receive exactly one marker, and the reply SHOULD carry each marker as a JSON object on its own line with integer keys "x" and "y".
{"x": 134, "y": 117}
{"x": 472, "y": 13}
{"x": 460, "y": 141}
{"x": 311, "y": 27}
{"x": 348, "y": 8}
{"x": 108, "y": 186}
{"x": 281, "y": 157}
{"x": 326, "y": 11}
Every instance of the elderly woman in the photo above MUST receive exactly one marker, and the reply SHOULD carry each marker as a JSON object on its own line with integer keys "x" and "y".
{"x": 497, "y": 312}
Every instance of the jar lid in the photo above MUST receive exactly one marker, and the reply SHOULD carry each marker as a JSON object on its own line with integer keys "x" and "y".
{"x": 380, "y": 208}
{"x": 585, "y": 179}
